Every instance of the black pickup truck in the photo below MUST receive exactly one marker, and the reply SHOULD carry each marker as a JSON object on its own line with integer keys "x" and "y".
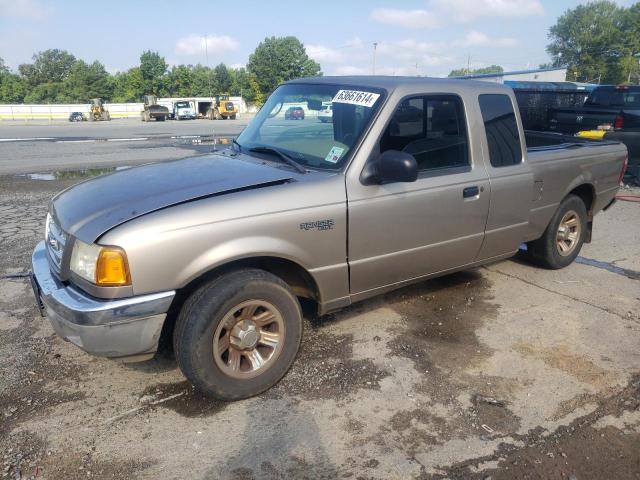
{"x": 614, "y": 109}
{"x": 607, "y": 107}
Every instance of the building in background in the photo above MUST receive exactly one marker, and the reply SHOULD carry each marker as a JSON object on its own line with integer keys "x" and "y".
{"x": 539, "y": 75}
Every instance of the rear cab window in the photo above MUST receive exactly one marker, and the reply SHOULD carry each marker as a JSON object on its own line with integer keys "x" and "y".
{"x": 432, "y": 128}
{"x": 501, "y": 127}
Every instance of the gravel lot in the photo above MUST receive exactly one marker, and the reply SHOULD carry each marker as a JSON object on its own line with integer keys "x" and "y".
{"x": 502, "y": 372}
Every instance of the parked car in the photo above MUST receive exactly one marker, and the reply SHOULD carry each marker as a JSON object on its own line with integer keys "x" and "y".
{"x": 214, "y": 253}
{"x": 606, "y": 107}
{"x": 326, "y": 114}
{"x": 294, "y": 113}
{"x": 77, "y": 117}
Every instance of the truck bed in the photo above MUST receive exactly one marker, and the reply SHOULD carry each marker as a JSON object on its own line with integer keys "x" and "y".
{"x": 544, "y": 141}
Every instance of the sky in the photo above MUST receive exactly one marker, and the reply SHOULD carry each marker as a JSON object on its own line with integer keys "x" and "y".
{"x": 414, "y": 37}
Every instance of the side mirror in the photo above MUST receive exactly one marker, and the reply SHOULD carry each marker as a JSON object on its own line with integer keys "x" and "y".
{"x": 390, "y": 167}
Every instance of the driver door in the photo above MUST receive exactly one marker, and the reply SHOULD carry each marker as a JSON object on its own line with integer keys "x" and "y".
{"x": 402, "y": 231}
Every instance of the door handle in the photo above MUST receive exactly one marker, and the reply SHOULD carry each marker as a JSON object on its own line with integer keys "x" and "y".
{"x": 470, "y": 192}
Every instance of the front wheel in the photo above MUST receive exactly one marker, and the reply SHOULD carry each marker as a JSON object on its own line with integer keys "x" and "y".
{"x": 562, "y": 240}
{"x": 238, "y": 335}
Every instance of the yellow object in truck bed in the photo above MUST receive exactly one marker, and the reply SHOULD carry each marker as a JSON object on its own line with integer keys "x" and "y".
{"x": 592, "y": 134}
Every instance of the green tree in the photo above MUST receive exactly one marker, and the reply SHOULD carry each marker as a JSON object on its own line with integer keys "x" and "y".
{"x": 128, "y": 86}
{"x": 596, "y": 41}
{"x": 3, "y": 66}
{"x": 12, "y": 87}
{"x": 50, "y": 66}
{"x": 153, "y": 69}
{"x": 181, "y": 81}
{"x": 461, "y": 72}
{"x": 278, "y": 59}
{"x": 50, "y": 92}
{"x": 88, "y": 81}
{"x": 222, "y": 79}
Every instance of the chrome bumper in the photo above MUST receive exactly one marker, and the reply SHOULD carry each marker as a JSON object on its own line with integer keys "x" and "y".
{"x": 126, "y": 327}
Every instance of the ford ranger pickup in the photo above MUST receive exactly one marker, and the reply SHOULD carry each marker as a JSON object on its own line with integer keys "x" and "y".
{"x": 412, "y": 178}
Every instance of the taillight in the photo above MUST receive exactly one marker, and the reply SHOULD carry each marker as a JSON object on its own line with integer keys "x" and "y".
{"x": 618, "y": 123}
{"x": 624, "y": 168}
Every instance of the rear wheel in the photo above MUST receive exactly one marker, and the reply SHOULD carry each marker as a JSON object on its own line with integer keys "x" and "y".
{"x": 238, "y": 335}
{"x": 562, "y": 240}
{"x": 233, "y": 117}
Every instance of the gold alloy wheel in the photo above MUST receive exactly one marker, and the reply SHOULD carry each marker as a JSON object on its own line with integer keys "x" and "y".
{"x": 568, "y": 234}
{"x": 249, "y": 339}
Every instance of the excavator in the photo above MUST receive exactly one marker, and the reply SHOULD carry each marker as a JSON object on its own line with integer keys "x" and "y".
{"x": 97, "y": 112}
{"x": 222, "y": 108}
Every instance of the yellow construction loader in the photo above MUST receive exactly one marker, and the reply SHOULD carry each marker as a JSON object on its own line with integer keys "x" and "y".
{"x": 97, "y": 112}
{"x": 222, "y": 108}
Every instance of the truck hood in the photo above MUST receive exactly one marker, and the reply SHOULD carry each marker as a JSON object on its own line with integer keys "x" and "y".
{"x": 91, "y": 208}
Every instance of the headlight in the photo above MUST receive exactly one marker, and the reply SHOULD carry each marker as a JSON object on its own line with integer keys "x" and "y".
{"x": 102, "y": 266}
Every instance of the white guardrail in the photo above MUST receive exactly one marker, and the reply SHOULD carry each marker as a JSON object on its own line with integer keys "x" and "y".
{"x": 62, "y": 111}
{"x": 52, "y": 112}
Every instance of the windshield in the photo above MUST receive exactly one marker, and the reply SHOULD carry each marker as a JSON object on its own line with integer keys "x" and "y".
{"x": 308, "y": 140}
{"x": 182, "y": 104}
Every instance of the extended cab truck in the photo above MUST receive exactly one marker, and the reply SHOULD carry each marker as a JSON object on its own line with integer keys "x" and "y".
{"x": 414, "y": 178}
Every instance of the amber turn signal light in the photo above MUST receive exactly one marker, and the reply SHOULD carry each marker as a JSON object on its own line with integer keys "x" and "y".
{"x": 112, "y": 268}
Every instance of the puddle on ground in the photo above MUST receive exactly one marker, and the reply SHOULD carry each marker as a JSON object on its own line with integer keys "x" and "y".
{"x": 610, "y": 267}
{"x": 441, "y": 317}
{"x": 71, "y": 174}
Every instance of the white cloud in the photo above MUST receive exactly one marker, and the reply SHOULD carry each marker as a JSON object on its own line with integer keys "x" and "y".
{"x": 412, "y": 51}
{"x": 479, "y": 39}
{"x": 194, "y": 44}
{"x": 355, "y": 42}
{"x": 463, "y": 11}
{"x": 324, "y": 54}
{"x": 29, "y": 9}
{"x": 405, "y": 18}
{"x": 351, "y": 70}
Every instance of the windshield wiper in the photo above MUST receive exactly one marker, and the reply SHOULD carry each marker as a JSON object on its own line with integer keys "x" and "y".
{"x": 235, "y": 142}
{"x": 281, "y": 155}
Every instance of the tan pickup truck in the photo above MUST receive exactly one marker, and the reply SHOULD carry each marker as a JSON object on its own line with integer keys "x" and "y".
{"x": 412, "y": 178}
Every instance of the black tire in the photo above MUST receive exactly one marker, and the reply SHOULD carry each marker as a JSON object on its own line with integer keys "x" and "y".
{"x": 233, "y": 117}
{"x": 545, "y": 250}
{"x": 201, "y": 316}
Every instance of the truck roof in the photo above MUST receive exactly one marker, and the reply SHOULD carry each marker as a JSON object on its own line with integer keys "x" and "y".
{"x": 390, "y": 83}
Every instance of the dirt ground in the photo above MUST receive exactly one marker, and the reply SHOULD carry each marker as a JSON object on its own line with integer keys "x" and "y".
{"x": 503, "y": 372}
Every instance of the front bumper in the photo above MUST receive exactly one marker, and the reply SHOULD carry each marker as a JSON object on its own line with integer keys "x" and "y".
{"x": 127, "y": 327}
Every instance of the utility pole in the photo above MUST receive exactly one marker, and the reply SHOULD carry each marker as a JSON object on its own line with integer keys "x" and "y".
{"x": 468, "y": 64}
{"x": 206, "y": 53}
{"x": 417, "y": 70}
{"x": 375, "y": 47}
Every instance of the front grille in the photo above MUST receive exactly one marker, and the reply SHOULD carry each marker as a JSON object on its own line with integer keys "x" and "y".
{"x": 56, "y": 241}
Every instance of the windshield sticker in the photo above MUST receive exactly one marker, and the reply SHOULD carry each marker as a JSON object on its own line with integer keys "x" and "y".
{"x": 334, "y": 155}
{"x": 354, "y": 97}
